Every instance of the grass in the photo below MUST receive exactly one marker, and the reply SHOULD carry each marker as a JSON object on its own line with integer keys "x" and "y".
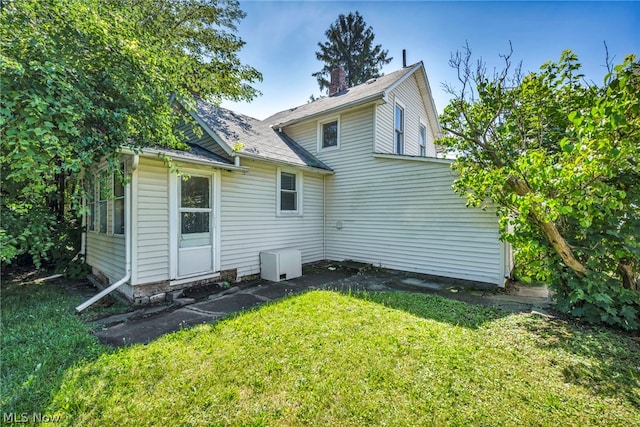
{"x": 41, "y": 339}
{"x": 321, "y": 358}
{"x": 325, "y": 358}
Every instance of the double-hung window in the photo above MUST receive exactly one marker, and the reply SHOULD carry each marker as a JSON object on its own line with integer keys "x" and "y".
{"x": 118, "y": 204}
{"x": 289, "y": 197}
{"x": 103, "y": 200}
{"x": 329, "y": 134}
{"x": 398, "y": 143}
{"x": 422, "y": 139}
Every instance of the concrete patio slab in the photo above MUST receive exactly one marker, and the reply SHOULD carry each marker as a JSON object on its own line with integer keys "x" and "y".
{"x": 274, "y": 291}
{"x": 229, "y": 303}
{"x": 148, "y": 329}
{"x": 516, "y": 298}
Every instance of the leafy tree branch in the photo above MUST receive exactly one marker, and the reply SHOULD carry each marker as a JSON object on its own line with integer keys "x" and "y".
{"x": 559, "y": 157}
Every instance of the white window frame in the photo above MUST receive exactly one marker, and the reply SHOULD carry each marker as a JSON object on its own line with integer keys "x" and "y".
{"x": 299, "y": 192}
{"x": 91, "y": 205}
{"x": 403, "y": 133}
{"x": 114, "y": 179}
{"x": 321, "y": 124}
{"x": 422, "y": 147}
{"x": 100, "y": 201}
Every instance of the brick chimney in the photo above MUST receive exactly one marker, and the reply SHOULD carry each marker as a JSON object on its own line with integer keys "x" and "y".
{"x": 338, "y": 81}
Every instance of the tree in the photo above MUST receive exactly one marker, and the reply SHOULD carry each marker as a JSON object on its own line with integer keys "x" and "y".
{"x": 350, "y": 45}
{"x": 81, "y": 79}
{"x": 561, "y": 161}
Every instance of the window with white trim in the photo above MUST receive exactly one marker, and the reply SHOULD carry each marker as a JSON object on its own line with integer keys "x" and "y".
{"x": 118, "y": 203}
{"x": 422, "y": 139}
{"x": 329, "y": 134}
{"x": 90, "y": 195}
{"x": 289, "y": 195}
{"x": 398, "y": 141}
{"x": 103, "y": 200}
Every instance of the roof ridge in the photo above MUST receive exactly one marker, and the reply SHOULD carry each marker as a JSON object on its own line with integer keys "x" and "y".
{"x": 362, "y": 92}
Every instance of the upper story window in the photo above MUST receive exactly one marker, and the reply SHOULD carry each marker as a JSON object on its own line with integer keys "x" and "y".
{"x": 422, "y": 138}
{"x": 329, "y": 134}
{"x": 398, "y": 143}
{"x": 289, "y": 196}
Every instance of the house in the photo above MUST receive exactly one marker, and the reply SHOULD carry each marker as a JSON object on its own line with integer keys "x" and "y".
{"x": 350, "y": 176}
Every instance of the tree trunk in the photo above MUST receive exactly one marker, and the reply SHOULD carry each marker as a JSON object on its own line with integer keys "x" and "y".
{"x": 550, "y": 231}
{"x": 629, "y": 279}
{"x": 561, "y": 247}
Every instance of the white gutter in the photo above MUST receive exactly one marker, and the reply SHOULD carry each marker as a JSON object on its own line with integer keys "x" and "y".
{"x": 153, "y": 153}
{"x": 412, "y": 158}
{"x": 285, "y": 164}
{"x": 127, "y": 243}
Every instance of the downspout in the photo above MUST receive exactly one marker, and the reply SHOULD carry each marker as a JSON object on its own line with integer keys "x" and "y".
{"x": 324, "y": 217}
{"x": 127, "y": 244}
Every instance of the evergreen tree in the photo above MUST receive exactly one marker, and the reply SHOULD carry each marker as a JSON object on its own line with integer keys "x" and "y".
{"x": 350, "y": 45}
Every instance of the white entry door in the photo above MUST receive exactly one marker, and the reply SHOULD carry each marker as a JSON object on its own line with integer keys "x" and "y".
{"x": 195, "y": 226}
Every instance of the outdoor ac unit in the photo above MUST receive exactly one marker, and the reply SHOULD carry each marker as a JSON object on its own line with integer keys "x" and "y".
{"x": 281, "y": 264}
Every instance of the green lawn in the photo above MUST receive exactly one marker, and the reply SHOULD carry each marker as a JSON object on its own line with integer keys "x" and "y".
{"x": 41, "y": 339}
{"x": 325, "y": 358}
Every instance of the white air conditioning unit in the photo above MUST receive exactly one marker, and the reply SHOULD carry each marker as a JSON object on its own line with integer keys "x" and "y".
{"x": 280, "y": 264}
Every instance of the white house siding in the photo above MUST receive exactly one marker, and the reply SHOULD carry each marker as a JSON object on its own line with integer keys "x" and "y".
{"x": 249, "y": 224}
{"x": 400, "y": 213}
{"x": 106, "y": 254}
{"x": 104, "y": 251}
{"x": 152, "y": 227}
{"x": 409, "y": 95}
{"x": 413, "y": 222}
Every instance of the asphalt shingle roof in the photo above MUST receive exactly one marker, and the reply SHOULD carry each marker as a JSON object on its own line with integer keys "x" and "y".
{"x": 253, "y": 137}
{"x": 196, "y": 153}
{"x": 363, "y": 92}
{"x": 262, "y": 138}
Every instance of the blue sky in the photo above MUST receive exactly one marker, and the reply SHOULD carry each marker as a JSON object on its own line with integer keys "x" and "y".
{"x": 282, "y": 38}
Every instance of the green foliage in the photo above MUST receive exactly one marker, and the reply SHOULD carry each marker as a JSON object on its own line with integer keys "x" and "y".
{"x": 350, "y": 45}
{"x": 81, "y": 79}
{"x": 599, "y": 298}
{"x": 27, "y": 231}
{"x": 560, "y": 160}
{"x": 77, "y": 269}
